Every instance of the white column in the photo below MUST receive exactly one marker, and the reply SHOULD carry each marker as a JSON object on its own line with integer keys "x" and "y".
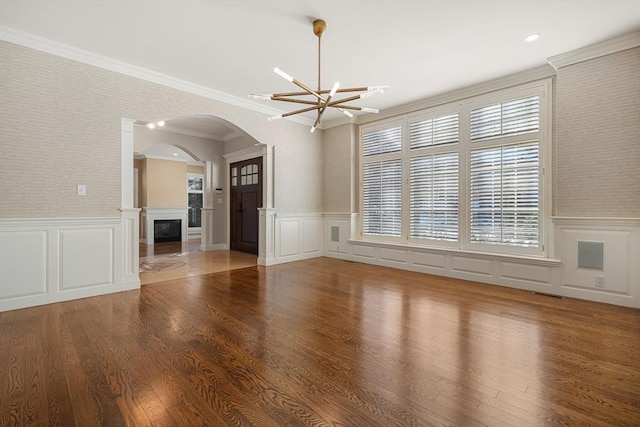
{"x": 206, "y": 218}
{"x": 130, "y": 222}
{"x": 266, "y": 239}
{"x": 206, "y": 235}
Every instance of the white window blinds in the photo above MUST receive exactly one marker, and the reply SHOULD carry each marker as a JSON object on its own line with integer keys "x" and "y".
{"x": 466, "y": 175}
{"x": 382, "y": 141}
{"x": 434, "y": 131}
{"x": 434, "y": 197}
{"x": 382, "y": 198}
{"x": 507, "y": 118}
{"x": 505, "y": 195}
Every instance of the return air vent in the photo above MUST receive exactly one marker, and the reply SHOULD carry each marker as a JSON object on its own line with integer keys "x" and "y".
{"x": 590, "y": 255}
{"x": 335, "y": 233}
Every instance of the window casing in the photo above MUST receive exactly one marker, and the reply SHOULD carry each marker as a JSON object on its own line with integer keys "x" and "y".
{"x": 467, "y": 175}
{"x": 195, "y": 194}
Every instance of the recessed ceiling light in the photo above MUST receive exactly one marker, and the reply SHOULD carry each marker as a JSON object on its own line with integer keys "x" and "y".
{"x": 532, "y": 37}
{"x": 160, "y": 123}
{"x": 175, "y": 154}
{"x": 151, "y": 125}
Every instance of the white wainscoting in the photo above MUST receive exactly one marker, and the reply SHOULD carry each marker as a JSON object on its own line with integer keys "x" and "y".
{"x": 560, "y": 276}
{"x": 50, "y": 260}
{"x": 297, "y": 236}
{"x": 618, "y": 281}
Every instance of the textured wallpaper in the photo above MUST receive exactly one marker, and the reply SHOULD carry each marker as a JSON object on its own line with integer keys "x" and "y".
{"x": 597, "y": 147}
{"x": 338, "y": 168}
{"x": 60, "y": 126}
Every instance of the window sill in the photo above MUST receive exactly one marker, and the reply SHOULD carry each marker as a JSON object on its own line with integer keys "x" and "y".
{"x": 533, "y": 260}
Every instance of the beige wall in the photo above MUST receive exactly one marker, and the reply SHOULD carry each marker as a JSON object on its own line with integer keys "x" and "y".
{"x": 62, "y": 119}
{"x": 597, "y": 165}
{"x": 339, "y": 147}
{"x": 195, "y": 169}
{"x": 166, "y": 184}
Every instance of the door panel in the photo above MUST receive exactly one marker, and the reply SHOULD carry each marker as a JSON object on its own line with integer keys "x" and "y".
{"x": 245, "y": 199}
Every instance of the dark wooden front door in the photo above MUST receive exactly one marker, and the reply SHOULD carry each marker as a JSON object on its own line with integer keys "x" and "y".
{"x": 246, "y": 198}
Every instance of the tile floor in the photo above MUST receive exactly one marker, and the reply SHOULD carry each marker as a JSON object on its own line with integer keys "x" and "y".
{"x": 167, "y": 261}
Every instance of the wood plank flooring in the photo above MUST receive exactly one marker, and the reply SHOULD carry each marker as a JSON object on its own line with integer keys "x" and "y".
{"x": 177, "y": 260}
{"x": 321, "y": 342}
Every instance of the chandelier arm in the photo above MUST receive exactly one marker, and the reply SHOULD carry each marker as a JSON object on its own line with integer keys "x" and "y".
{"x": 308, "y": 89}
{"x": 299, "y": 101}
{"x": 321, "y": 111}
{"x": 323, "y": 91}
{"x": 304, "y": 110}
{"x": 337, "y": 104}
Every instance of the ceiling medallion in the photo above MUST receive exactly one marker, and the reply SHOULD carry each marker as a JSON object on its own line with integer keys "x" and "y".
{"x": 320, "y": 102}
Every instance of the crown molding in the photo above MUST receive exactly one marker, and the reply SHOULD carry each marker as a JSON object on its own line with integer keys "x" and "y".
{"x": 531, "y": 75}
{"x": 42, "y": 44}
{"x": 597, "y": 50}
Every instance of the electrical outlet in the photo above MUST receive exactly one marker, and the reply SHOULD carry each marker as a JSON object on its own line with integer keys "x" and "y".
{"x": 599, "y": 281}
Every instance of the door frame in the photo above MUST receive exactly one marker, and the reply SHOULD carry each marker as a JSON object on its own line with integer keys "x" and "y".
{"x": 265, "y": 232}
{"x": 238, "y": 213}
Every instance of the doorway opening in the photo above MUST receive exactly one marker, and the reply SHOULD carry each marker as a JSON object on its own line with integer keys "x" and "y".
{"x": 245, "y": 200}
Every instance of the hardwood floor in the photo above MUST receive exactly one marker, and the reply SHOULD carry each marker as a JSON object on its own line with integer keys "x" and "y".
{"x": 321, "y": 342}
{"x": 176, "y": 260}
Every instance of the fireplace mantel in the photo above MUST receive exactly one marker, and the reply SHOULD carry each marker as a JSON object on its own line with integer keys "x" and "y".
{"x": 149, "y": 215}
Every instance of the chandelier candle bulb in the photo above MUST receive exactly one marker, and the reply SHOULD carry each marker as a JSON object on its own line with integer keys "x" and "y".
{"x": 282, "y": 74}
{"x": 370, "y": 93}
{"x": 264, "y": 96}
{"x": 334, "y": 89}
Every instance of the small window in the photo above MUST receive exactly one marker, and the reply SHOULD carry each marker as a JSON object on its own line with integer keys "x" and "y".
{"x": 382, "y": 141}
{"x": 508, "y": 118}
{"x": 434, "y": 131}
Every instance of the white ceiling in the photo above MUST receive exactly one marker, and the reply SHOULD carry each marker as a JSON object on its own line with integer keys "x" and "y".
{"x": 419, "y": 48}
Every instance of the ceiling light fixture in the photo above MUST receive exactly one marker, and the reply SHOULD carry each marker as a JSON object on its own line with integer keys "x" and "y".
{"x": 153, "y": 125}
{"x": 532, "y": 37}
{"x": 320, "y": 102}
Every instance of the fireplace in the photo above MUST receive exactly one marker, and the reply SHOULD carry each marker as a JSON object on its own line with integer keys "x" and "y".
{"x": 167, "y": 230}
{"x": 164, "y": 224}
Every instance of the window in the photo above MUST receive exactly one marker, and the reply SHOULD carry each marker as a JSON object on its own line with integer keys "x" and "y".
{"x": 466, "y": 175}
{"x": 382, "y": 182}
{"x": 433, "y": 190}
{"x": 195, "y": 187}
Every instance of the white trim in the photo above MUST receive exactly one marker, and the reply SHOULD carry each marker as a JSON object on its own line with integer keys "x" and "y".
{"x": 151, "y": 214}
{"x": 532, "y": 260}
{"x": 42, "y": 44}
{"x": 597, "y": 50}
{"x": 158, "y": 157}
{"x": 596, "y": 221}
{"x": 182, "y": 131}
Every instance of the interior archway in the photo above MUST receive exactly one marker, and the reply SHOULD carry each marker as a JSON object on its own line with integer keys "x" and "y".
{"x": 207, "y": 137}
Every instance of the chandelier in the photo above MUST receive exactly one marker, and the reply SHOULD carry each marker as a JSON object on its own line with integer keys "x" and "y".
{"x": 321, "y": 98}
